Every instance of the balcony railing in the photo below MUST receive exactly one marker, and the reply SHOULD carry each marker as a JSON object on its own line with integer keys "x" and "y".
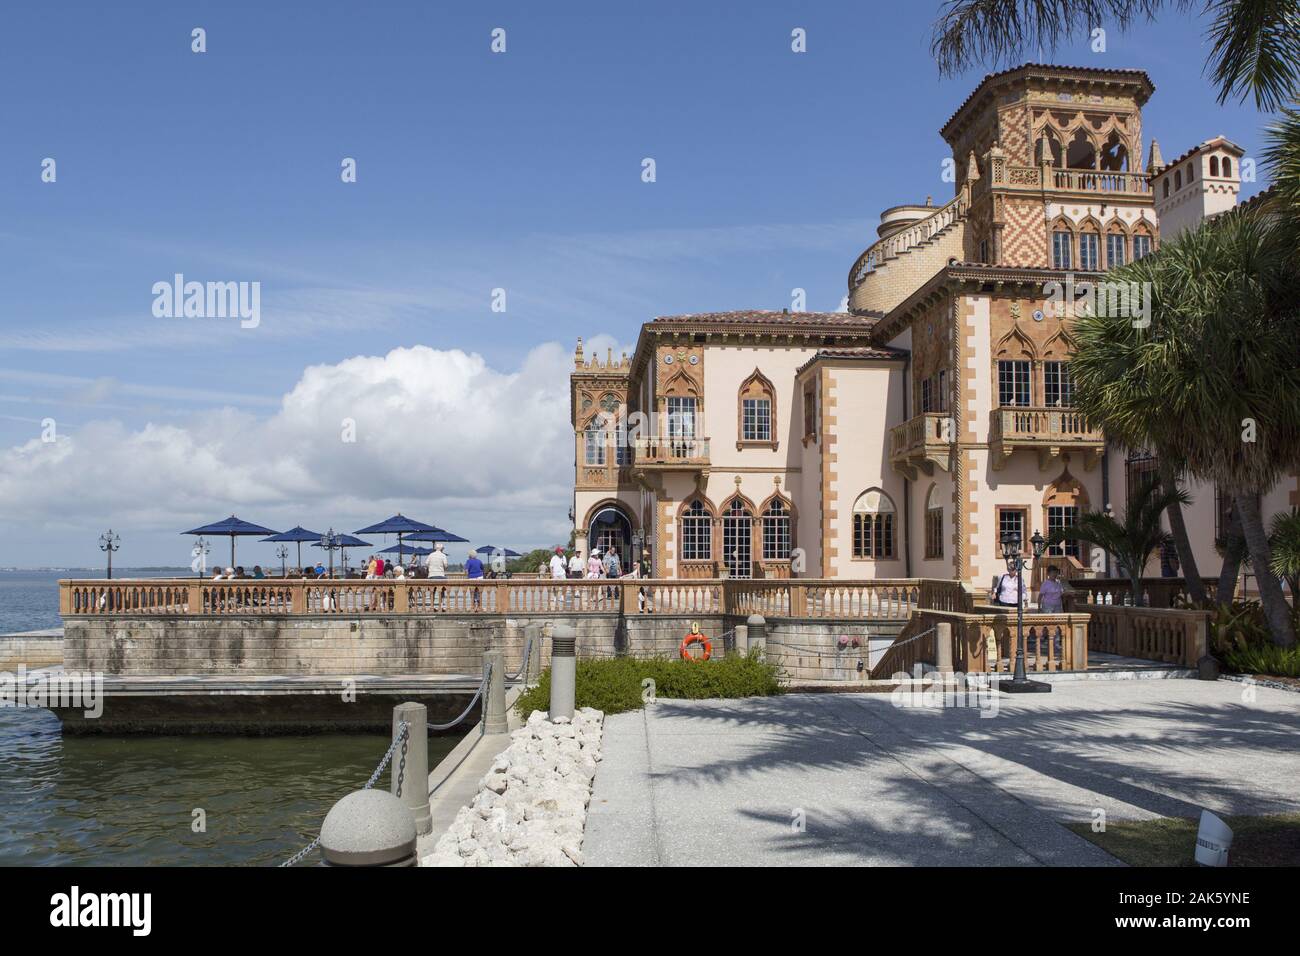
{"x": 1047, "y": 430}
{"x": 1006, "y": 176}
{"x": 665, "y": 453}
{"x": 921, "y": 442}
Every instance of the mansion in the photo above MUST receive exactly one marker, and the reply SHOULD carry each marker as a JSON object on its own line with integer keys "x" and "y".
{"x": 903, "y": 437}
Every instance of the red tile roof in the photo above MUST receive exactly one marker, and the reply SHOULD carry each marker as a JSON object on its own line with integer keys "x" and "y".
{"x": 770, "y": 317}
{"x": 1076, "y": 72}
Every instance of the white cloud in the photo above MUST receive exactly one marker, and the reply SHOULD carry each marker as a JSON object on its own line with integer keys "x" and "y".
{"x": 440, "y": 435}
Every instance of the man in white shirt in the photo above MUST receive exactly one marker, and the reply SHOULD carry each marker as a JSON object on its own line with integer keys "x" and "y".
{"x": 577, "y": 565}
{"x": 559, "y": 567}
{"x": 437, "y": 561}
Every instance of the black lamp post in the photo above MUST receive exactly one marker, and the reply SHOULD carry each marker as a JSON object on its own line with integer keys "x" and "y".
{"x": 282, "y": 552}
{"x": 1019, "y": 683}
{"x": 200, "y": 552}
{"x": 330, "y": 542}
{"x": 108, "y": 543}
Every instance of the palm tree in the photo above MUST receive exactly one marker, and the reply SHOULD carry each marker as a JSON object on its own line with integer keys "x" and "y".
{"x": 1284, "y": 539}
{"x": 1256, "y": 43}
{"x": 1132, "y": 540}
{"x": 1219, "y": 366}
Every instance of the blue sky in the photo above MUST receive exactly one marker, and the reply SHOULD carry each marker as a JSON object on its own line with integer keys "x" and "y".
{"x": 475, "y": 171}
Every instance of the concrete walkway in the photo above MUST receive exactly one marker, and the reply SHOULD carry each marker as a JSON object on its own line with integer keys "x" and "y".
{"x": 726, "y": 783}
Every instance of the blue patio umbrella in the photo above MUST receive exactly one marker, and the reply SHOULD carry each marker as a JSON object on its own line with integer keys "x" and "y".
{"x": 233, "y": 527}
{"x": 297, "y": 536}
{"x": 415, "y": 550}
{"x": 493, "y": 549}
{"x": 437, "y": 534}
{"x": 399, "y": 525}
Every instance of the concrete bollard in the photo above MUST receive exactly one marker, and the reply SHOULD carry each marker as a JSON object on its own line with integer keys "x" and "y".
{"x": 411, "y": 778}
{"x": 756, "y": 626}
{"x": 368, "y": 828}
{"x": 943, "y": 647}
{"x": 564, "y": 670}
{"x": 742, "y": 639}
{"x": 494, "y": 696}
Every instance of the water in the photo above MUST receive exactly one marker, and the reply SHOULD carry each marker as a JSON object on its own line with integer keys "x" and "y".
{"x": 130, "y": 800}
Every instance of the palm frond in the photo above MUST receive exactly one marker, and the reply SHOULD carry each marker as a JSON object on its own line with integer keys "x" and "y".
{"x": 1256, "y": 50}
{"x": 1003, "y": 32}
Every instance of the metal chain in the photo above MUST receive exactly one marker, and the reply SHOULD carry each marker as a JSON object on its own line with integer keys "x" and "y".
{"x": 403, "y": 735}
{"x": 487, "y": 674}
{"x": 523, "y": 667}
{"x": 402, "y": 729}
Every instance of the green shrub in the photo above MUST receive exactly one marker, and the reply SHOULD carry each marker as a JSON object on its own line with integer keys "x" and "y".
{"x": 614, "y": 685}
{"x": 1264, "y": 659}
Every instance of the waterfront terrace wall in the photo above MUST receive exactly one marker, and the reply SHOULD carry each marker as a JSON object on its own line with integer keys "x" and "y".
{"x": 322, "y": 628}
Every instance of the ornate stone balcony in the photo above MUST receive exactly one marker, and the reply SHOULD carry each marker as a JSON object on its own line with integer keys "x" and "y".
{"x": 1030, "y": 178}
{"x": 1048, "y": 431}
{"x": 672, "y": 454}
{"x": 920, "y": 443}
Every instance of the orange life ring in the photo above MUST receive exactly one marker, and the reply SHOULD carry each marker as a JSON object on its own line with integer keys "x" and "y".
{"x": 696, "y": 638}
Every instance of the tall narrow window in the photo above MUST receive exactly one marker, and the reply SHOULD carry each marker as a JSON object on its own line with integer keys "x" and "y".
{"x": 1058, "y": 387}
{"x": 1141, "y": 468}
{"x": 1058, "y": 517}
{"x": 1214, "y": 165}
{"x": 737, "y": 538}
{"x": 777, "y": 540}
{"x": 941, "y": 399}
{"x": 1227, "y": 166}
{"x": 681, "y": 427}
{"x": 756, "y": 419}
{"x": 697, "y": 532}
{"x": 933, "y": 533}
{"x": 809, "y": 412}
{"x": 595, "y": 439}
{"x": 1141, "y": 246}
{"x": 1114, "y": 249}
{"x": 1013, "y": 382}
{"x": 1061, "y": 241}
{"x": 873, "y": 526}
{"x": 927, "y": 395}
{"x": 1088, "y": 246}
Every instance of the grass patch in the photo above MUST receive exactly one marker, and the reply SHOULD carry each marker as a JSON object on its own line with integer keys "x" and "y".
{"x": 614, "y": 685}
{"x": 1171, "y": 841}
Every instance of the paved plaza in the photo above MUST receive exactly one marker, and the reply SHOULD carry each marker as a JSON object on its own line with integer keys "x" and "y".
{"x": 852, "y": 779}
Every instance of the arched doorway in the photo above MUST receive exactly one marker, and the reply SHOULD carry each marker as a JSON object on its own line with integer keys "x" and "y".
{"x": 611, "y": 530}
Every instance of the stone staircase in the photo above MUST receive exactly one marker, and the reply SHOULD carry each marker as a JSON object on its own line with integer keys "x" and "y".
{"x": 896, "y": 266}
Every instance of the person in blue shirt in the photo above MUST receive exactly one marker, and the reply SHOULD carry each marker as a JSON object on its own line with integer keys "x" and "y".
{"x": 474, "y": 570}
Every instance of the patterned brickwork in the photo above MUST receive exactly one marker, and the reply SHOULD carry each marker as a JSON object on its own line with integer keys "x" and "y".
{"x": 1014, "y": 134}
{"x": 1024, "y": 237}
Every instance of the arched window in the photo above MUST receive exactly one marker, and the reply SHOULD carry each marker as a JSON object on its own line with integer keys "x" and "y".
{"x": 1081, "y": 154}
{"x": 1227, "y": 166}
{"x": 737, "y": 539}
{"x": 1142, "y": 241}
{"x": 1116, "y": 245}
{"x": 777, "y": 538}
{"x": 1062, "y": 245}
{"x": 696, "y": 525}
{"x": 873, "y": 525}
{"x": 1214, "y": 165}
{"x": 756, "y": 411}
{"x": 1178, "y": 179}
{"x": 1089, "y": 248}
{"x": 933, "y": 524}
{"x": 1191, "y": 171}
{"x": 1166, "y": 187}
